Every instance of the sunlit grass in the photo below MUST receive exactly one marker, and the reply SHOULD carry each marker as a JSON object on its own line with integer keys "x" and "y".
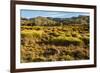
{"x": 32, "y": 33}
{"x": 54, "y": 43}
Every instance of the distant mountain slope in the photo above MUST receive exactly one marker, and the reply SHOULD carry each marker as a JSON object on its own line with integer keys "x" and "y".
{"x": 49, "y": 21}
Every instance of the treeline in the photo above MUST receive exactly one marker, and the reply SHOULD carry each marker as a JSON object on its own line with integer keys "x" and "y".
{"x": 49, "y": 21}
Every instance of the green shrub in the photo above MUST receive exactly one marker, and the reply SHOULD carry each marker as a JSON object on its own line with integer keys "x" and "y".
{"x": 65, "y": 40}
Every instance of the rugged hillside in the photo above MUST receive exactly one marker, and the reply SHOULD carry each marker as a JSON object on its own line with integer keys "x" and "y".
{"x": 49, "y": 21}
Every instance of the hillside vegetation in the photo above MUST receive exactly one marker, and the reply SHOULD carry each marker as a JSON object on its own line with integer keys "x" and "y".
{"x": 54, "y": 39}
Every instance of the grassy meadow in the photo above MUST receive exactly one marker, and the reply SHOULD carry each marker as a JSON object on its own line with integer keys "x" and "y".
{"x": 54, "y": 43}
{"x": 54, "y": 36}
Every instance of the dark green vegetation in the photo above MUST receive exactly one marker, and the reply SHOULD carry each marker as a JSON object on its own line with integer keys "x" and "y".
{"x": 54, "y": 39}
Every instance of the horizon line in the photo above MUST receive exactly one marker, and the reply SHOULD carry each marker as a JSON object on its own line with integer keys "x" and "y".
{"x": 53, "y": 17}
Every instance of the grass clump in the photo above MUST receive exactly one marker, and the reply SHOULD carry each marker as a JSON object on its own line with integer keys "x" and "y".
{"x": 75, "y": 34}
{"x": 31, "y": 33}
{"x": 26, "y": 33}
{"x": 37, "y": 28}
{"x": 39, "y": 59}
{"x": 66, "y": 40}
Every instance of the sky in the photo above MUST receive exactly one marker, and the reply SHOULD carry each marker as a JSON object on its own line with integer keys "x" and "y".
{"x": 54, "y": 14}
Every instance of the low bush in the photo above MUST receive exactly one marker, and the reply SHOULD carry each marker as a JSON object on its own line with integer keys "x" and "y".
{"x": 65, "y": 41}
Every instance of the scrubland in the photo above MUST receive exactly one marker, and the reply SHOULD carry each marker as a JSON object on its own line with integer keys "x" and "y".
{"x": 54, "y": 43}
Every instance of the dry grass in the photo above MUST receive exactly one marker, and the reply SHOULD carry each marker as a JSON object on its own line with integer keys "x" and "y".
{"x": 46, "y": 43}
